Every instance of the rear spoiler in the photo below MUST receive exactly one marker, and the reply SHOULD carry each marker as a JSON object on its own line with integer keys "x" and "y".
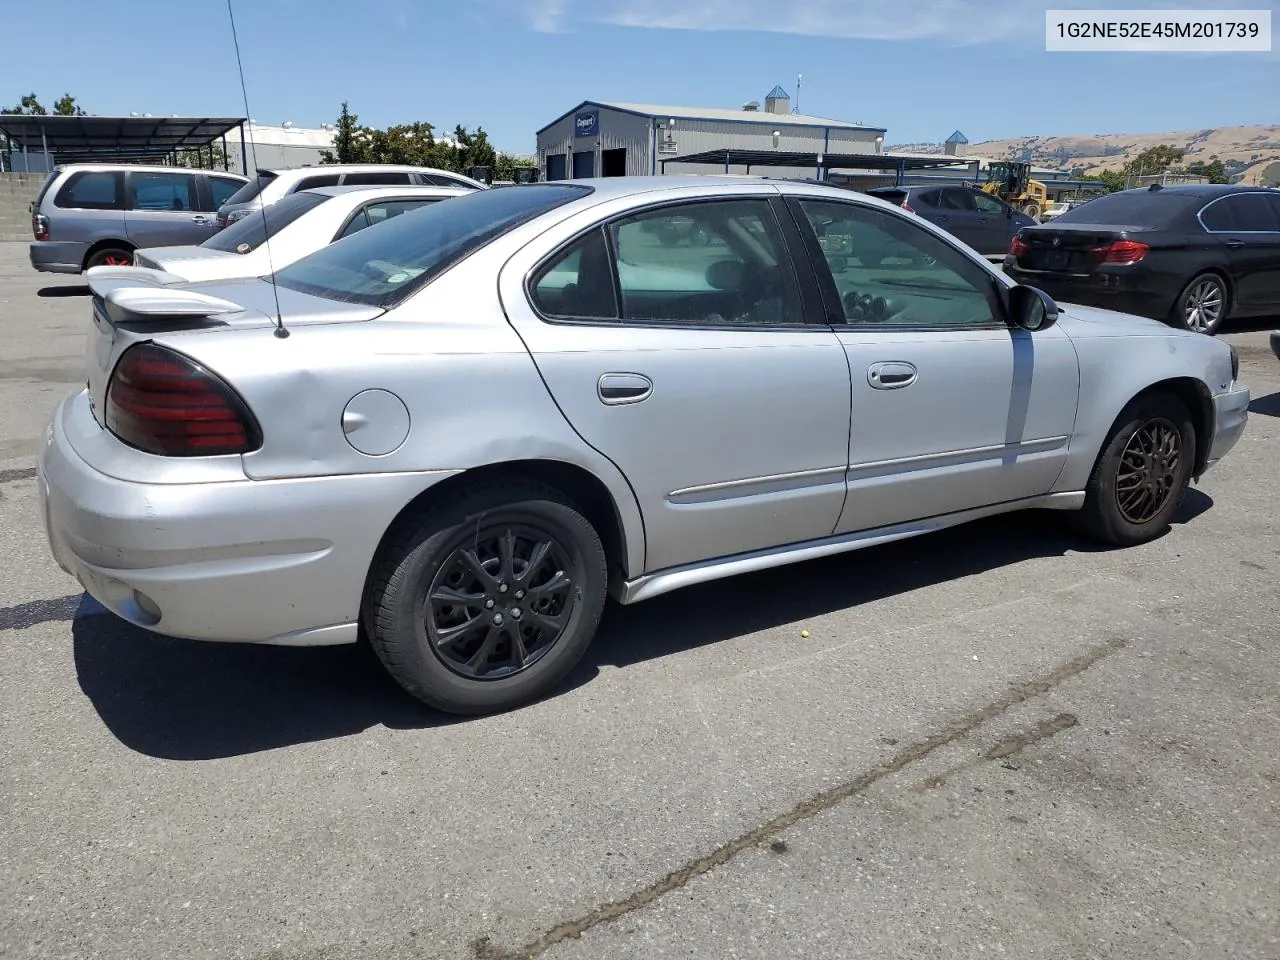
{"x": 133, "y": 294}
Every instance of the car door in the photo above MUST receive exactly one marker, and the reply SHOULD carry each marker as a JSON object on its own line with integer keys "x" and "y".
{"x": 702, "y": 368}
{"x": 957, "y": 215}
{"x": 163, "y": 209}
{"x": 952, "y": 408}
{"x": 997, "y": 223}
{"x": 1247, "y": 225}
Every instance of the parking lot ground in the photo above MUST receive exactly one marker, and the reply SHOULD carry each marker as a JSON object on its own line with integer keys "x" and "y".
{"x": 995, "y": 741}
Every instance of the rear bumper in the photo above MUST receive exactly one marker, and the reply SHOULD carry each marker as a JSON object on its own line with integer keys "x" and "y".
{"x": 1112, "y": 287}
{"x": 250, "y": 561}
{"x": 57, "y": 256}
{"x": 1230, "y": 415}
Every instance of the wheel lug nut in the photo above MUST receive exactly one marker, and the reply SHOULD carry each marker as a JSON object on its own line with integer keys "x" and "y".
{"x": 488, "y": 604}
{"x": 497, "y": 619}
{"x": 502, "y": 588}
{"x": 515, "y": 613}
{"x": 519, "y": 594}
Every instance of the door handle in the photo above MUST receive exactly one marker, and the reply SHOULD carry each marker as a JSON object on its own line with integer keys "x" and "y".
{"x": 200, "y": 219}
{"x": 1235, "y": 244}
{"x": 618, "y": 388}
{"x": 891, "y": 375}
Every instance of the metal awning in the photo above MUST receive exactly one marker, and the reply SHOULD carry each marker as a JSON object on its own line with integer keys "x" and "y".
{"x": 821, "y": 162}
{"x": 86, "y": 139}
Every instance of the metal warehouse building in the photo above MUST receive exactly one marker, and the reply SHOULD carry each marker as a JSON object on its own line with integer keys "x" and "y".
{"x": 604, "y": 139}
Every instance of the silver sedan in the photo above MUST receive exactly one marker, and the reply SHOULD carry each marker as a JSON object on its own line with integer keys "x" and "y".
{"x": 456, "y": 433}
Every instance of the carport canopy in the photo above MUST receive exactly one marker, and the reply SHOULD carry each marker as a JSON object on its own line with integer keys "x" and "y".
{"x": 121, "y": 139}
{"x": 821, "y": 162}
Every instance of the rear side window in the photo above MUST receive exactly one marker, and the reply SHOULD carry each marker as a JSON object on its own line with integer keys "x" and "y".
{"x": 91, "y": 190}
{"x": 162, "y": 191}
{"x": 252, "y": 188}
{"x": 954, "y": 199}
{"x": 1246, "y": 213}
{"x": 381, "y": 267}
{"x": 441, "y": 180}
{"x": 319, "y": 180}
{"x": 1138, "y": 208}
{"x": 376, "y": 178}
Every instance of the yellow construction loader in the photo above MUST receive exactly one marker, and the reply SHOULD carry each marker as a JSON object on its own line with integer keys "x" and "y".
{"x": 1010, "y": 180}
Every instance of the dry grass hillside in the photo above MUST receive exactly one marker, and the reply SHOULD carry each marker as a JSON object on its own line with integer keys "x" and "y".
{"x": 1255, "y": 150}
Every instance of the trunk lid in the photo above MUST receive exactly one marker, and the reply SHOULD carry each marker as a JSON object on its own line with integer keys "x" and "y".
{"x": 1065, "y": 248}
{"x": 134, "y": 304}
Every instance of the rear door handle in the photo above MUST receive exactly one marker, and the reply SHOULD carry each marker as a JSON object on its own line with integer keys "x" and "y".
{"x": 891, "y": 375}
{"x": 200, "y": 219}
{"x": 617, "y": 388}
{"x": 1235, "y": 244}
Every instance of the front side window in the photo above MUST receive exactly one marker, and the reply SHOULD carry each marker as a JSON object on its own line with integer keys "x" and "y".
{"x": 91, "y": 190}
{"x": 988, "y": 204}
{"x": 382, "y": 267}
{"x": 953, "y": 198}
{"x": 162, "y": 191}
{"x": 891, "y": 272}
{"x": 319, "y": 180}
{"x": 710, "y": 263}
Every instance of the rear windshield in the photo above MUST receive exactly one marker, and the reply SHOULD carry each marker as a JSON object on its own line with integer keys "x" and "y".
{"x": 247, "y": 233}
{"x": 384, "y": 264}
{"x": 251, "y": 189}
{"x": 1138, "y": 209}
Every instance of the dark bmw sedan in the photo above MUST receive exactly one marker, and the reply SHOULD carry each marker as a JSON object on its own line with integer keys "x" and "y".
{"x": 1191, "y": 255}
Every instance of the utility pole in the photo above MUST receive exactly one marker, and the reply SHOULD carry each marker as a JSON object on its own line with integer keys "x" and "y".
{"x": 795, "y": 106}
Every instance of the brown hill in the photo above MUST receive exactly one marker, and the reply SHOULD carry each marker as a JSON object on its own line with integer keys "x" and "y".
{"x": 1252, "y": 153}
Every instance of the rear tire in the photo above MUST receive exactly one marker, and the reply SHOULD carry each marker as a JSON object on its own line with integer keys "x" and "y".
{"x": 1202, "y": 305}
{"x": 1142, "y": 473}
{"x": 487, "y": 600}
{"x": 1032, "y": 210}
{"x": 110, "y": 257}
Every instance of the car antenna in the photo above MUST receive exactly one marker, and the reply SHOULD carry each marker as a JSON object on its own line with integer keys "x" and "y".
{"x": 262, "y": 207}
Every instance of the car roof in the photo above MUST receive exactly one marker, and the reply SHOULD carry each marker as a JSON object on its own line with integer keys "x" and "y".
{"x": 145, "y": 168}
{"x": 391, "y": 189}
{"x": 1196, "y": 189}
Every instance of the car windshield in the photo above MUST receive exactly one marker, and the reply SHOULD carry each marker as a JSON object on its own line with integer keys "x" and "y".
{"x": 1138, "y": 209}
{"x": 248, "y": 233}
{"x": 251, "y": 189}
{"x": 384, "y": 264}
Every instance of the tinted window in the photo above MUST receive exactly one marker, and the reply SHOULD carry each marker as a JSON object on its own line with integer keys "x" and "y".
{"x": 379, "y": 211}
{"x": 382, "y": 267}
{"x": 1137, "y": 208}
{"x": 223, "y": 189}
{"x": 1249, "y": 212}
{"x": 930, "y": 198}
{"x": 162, "y": 191}
{"x": 440, "y": 180}
{"x": 375, "y": 177}
{"x": 891, "y": 272}
{"x": 954, "y": 198}
{"x": 578, "y": 283}
{"x": 319, "y": 180}
{"x": 267, "y": 222}
{"x": 252, "y": 188}
{"x": 706, "y": 263}
{"x": 91, "y": 190}
{"x": 988, "y": 204}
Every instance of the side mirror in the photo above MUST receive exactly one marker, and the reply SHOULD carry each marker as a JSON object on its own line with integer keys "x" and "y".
{"x": 1031, "y": 308}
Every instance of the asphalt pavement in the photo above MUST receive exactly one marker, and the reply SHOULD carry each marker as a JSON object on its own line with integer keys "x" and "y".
{"x": 994, "y": 741}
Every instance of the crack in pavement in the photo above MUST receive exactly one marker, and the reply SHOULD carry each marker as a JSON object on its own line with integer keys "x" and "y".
{"x": 484, "y": 949}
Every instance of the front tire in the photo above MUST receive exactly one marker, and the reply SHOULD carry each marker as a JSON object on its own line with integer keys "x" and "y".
{"x": 1202, "y": 305}
{"x": 486, "y": 601}
{"x": 1142, "y": 473}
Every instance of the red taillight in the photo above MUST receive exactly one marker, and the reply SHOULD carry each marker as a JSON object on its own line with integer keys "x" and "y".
{"x": 1018, "y": 247}
{"x": 1120, "y": 251}
{"x": 40, "y": 226}
{"x": 164, "y": 403}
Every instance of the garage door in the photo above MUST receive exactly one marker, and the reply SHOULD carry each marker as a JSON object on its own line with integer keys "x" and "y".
{"x": 584, "y": 164}
{"x": 556, "y": 166}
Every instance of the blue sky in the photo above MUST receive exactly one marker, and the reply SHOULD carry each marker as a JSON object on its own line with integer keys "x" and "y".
{"x": 921, "y": 68}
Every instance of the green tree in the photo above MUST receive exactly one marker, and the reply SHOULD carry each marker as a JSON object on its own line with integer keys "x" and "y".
{"x": 28, "y": 105}
{"x": 1214, "y": 170}
{"x": 344, "y": 139}
{"x": 200, "y": 158}
{"x": 1113, "y": 180}
{"x": 65, "y": 106}
{"x": 1155, "y": 159}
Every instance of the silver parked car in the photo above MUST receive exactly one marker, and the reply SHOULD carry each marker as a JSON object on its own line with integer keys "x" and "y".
{"x": 466, "y": 427}
{"x": 93, "y": 214}
{"x": 269, "y": 186}
{"x": 299, "y": 224}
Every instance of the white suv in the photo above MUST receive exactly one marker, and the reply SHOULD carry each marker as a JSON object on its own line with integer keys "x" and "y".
{"x": 271, "y": 185}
